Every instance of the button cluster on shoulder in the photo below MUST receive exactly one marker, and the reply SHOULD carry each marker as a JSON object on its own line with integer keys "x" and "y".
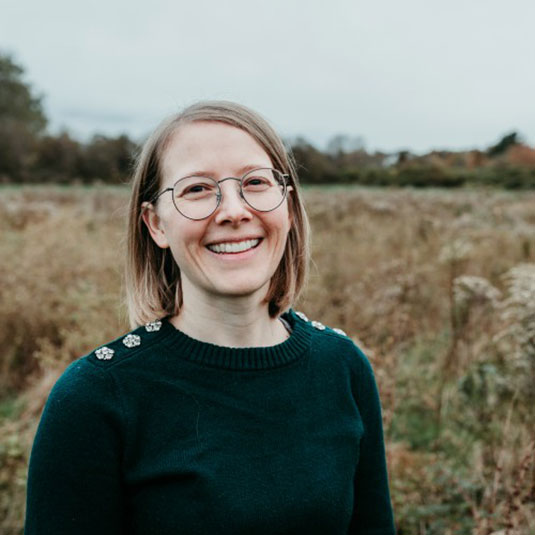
{"x": 301, "y": 315}
{"x": 317, "y": 324}
{"x": 132, "y": 340}
{"x": 104, "y": 353}
{"x": 153, "y": 326}
{"x": 129, "y": 341}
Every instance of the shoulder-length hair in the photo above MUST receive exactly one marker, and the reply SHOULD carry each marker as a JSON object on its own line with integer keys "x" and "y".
{"x": 153, "y": 286}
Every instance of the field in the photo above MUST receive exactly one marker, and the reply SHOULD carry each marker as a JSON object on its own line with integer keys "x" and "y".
{"x": 437, "y": 287}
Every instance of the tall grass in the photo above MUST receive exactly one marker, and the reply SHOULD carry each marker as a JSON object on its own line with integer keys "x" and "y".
{"x": 438, "y": 287}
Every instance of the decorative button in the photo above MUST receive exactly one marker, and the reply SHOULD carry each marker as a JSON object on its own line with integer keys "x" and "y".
{"x": 302, "y": 315}
{"x": 131, "y": 340}
{"x": 153, "y": 326}
{"x": 318, "y": 325}
{"x": 104, "y": 353}
{"x": 339, "y": 331}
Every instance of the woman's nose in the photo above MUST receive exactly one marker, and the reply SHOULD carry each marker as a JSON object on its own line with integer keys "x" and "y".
{"x": 232, "y": 207}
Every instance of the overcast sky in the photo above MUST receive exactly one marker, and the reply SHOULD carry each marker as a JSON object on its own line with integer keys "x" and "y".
{"x": 416, "y": 74}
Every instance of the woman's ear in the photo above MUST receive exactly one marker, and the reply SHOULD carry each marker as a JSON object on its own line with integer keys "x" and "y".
{"x": 290, "y": 210}
{"x": 154, "y": 224}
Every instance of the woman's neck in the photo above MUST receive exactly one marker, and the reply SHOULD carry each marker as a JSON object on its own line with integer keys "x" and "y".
{"x": 229, "y": 321}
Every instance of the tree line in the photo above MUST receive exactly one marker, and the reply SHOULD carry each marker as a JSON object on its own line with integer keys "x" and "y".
{"x": 31, "y": 154}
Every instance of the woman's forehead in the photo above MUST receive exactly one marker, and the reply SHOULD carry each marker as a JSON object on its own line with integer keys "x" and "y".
{"x": 211, "y": 148}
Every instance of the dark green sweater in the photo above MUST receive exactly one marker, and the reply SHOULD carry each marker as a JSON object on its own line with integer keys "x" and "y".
{"x": 174, "y": 436}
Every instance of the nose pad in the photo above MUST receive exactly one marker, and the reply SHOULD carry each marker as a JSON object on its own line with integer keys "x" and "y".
{"x": 232, "y": 205}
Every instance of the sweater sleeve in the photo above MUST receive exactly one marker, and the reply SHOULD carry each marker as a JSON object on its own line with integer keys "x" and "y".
{"x": 373, "y": 513}
{"x": 74, "y": 484}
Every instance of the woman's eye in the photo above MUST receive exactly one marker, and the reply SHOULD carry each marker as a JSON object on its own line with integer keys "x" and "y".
{"x": 193, "y": 190}
{"x": 257, "y": 181}
{"x": 196, "y": 189}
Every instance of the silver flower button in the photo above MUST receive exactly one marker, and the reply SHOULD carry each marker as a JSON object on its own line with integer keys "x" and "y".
{"x": 132, "y": 340}
{"x": 318, "y": 325}
{"x": 153, "y": 326}
{"x": 339, "y": 331}
{"x": 302, "y": 315}
{"x": 104, "y": 353}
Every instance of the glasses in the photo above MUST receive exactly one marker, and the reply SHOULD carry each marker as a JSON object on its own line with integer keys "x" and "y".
{"x": 198, "y": 197}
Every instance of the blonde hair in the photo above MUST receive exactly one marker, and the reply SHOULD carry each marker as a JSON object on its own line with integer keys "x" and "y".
{"x": 153, "y": 287}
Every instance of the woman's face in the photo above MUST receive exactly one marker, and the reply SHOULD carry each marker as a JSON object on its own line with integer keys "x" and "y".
{"x": 218, "y": 150}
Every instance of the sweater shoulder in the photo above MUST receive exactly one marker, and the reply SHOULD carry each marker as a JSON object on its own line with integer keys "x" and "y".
{"x": 323, "y": 332}
{"x": 318, "y": 326}
{"x": 126, "y": 346}
{"x": 81, "y": 396}
{"x": 335, "y": 340}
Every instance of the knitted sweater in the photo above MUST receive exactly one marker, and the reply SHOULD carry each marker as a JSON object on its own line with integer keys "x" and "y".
{"x": 158, "y": 433}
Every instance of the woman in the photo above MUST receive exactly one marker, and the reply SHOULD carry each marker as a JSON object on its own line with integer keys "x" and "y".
{"x": 223, "y": 411}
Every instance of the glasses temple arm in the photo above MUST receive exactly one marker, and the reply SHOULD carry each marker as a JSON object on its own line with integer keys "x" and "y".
{"x": 158, "y": 195}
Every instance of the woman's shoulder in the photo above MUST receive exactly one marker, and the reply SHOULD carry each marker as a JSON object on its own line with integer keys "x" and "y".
{"x": 89, "y": 372}
{"x": 317, "y": 325}
{"x": 333, "y": 345}
{"x": 130, "y": 344}
{"x": 332, "y": 338}
{"x": 88, "y": 378}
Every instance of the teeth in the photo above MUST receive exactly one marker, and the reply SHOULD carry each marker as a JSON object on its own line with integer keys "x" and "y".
{"x": 234, "y": 247}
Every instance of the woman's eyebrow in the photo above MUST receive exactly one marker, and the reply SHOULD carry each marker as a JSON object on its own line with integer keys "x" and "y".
{"x": 250, "y": 167}
{"x": 241, "y": 171}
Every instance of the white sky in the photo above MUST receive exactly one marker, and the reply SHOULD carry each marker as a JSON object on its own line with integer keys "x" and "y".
{"x": 416, "y": 74}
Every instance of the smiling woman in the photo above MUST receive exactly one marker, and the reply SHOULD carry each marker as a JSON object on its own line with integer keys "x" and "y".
{"x": 223, "y": 410}
{"x": 211, "y": 252}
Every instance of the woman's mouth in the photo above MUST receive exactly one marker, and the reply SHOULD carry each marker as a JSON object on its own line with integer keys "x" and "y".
{"x": 234, "y": 247}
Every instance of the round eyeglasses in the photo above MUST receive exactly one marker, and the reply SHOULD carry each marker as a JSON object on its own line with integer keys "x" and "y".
{"x": 198, "y": 197}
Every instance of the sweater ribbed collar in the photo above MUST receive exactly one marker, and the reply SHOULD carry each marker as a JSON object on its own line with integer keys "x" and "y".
{"x": 239, "y": 358}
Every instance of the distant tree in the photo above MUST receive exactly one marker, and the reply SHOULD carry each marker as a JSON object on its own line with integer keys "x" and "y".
{"x": 360, "y": 159}
{"x": 58, "y": 159}
{"x": 507, "y": 141}
{"x": 21, "y": 119}
{"x": 314, "y": 167}
{"x": 17, "y": 147}
{"x": 522, "y": 156}
{"x": 107, "y": 159}
{"x": 403, "y": 157}
{"x": 17, "y": 102}
{"x": 475, "y": 158}
{"x": 343, "y": 144}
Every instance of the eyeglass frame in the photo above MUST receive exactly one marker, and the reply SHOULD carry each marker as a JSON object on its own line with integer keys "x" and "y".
{"x": 219, "y": 194}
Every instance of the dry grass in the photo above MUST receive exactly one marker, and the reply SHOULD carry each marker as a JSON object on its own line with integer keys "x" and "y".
{"x": 437, "y": 286}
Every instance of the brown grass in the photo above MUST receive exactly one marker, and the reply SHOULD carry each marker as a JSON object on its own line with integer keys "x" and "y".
{"x": 454, "y": 355}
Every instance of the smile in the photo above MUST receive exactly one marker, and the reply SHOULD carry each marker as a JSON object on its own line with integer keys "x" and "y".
{"x": 233, "y": 247}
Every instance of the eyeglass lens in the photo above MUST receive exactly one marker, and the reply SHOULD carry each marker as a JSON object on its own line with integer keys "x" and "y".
{"x": 197, "y": 197}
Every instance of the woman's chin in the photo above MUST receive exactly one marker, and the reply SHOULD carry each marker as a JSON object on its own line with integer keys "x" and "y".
{"x": 241, "y": 288}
